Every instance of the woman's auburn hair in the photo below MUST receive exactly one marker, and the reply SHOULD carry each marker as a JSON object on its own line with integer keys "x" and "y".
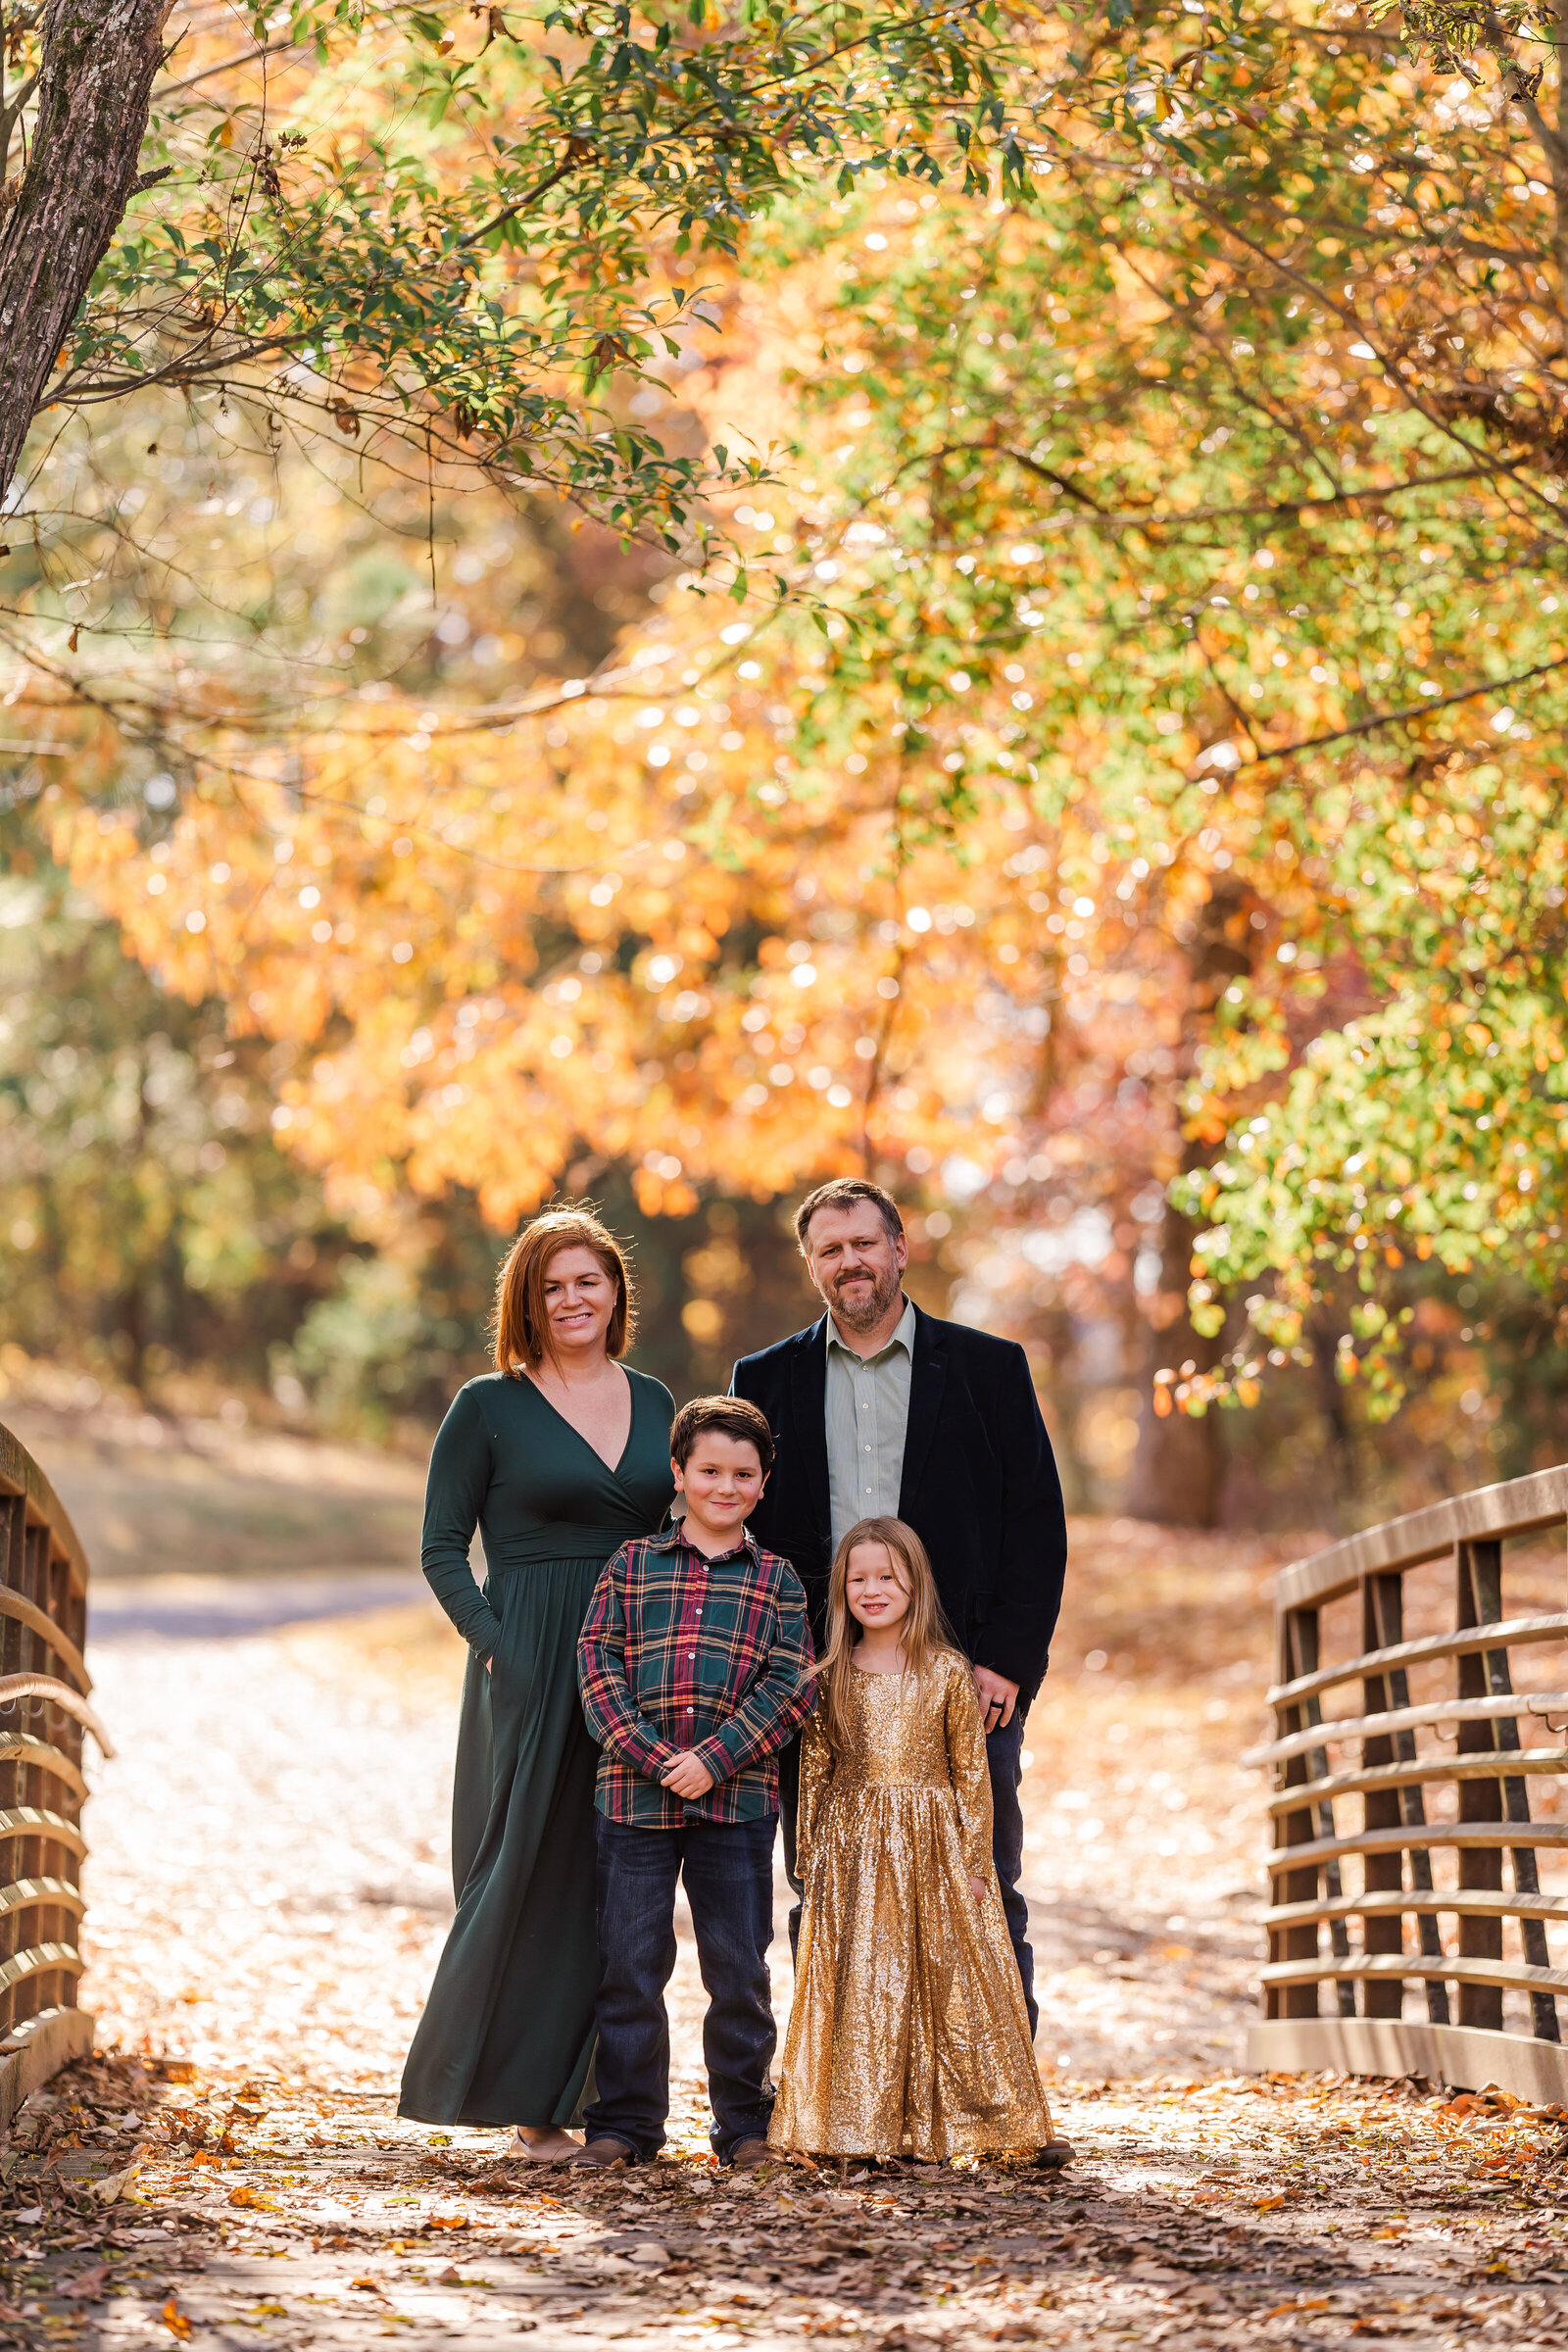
{"x": 926, "y": 1635}
{"x": 520, "y": 1322}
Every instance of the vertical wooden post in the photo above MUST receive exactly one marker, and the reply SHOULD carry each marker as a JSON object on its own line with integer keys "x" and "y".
{"x": 1516, "y": 1807}
{"x": 1298, "y": 1657}
{"x": 1382, "y": 1624}
{"x": 1479, "y": 1567}
{"x": 1317, "y": 1761}
{"x": 13, "y": 1535}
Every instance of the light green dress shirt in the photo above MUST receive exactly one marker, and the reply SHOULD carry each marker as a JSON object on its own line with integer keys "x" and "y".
{"x": 867, "y": 1420}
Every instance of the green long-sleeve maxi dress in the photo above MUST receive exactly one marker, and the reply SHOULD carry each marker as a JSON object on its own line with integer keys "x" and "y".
{"x": 508, "y": 2032}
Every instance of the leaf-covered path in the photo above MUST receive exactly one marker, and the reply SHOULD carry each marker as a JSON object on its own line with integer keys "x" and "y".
{"x": 267, "y": 1893}
{"x": 1212, "y": 2213}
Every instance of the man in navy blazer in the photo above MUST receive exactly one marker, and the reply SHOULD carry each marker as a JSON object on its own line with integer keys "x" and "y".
{"x": 956, "y": 1447}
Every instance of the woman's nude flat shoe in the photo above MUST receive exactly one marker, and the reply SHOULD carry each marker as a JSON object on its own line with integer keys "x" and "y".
{"x": 530, "y": 2153}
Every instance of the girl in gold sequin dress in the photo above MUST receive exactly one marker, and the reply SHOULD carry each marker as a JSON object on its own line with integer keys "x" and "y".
{"x": 907, "y": 2035}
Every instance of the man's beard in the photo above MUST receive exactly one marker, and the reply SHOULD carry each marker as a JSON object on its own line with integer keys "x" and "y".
{"x": 864, "y": 1312}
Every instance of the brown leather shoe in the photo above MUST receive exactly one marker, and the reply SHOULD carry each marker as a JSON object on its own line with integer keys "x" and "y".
{"x": 1054, "y": 2156}
{"x": 747, "y": 2154}
{"x": 599, "y": 2154}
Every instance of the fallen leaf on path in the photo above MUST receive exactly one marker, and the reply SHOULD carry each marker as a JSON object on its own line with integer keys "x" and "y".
{"x": 174, "y": 2319}
{"x": 115, "y": 2185}
{"x": 85, "y": 2286}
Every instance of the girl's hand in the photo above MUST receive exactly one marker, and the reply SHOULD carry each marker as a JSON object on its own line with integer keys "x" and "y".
{"x": 979, "y": 1887}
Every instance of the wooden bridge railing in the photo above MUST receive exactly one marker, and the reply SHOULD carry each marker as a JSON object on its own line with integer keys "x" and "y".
{"x": 43, "y": 1714}
{"x": 1399, "y": 1816}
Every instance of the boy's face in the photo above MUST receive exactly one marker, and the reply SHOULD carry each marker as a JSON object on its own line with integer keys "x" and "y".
{"x": 721, "y": 1480}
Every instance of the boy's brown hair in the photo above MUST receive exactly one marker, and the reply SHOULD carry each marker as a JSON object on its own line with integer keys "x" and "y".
{"x": 733, "y": 1415}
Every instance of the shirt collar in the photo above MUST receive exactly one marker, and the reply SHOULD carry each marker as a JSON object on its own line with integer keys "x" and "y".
{"x": 902, "y": 1336}
{"x": 675, "y": 1534}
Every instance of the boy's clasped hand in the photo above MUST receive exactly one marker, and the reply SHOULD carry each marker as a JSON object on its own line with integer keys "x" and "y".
{"x": 688, "y": 1775}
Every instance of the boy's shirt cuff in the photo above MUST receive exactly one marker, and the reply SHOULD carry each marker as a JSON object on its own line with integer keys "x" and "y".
{"x": 645, "y": 1753}
{"x": 715, "y": 1757}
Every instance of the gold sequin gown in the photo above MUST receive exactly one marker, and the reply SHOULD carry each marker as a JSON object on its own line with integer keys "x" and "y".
{"x": 908, "y": 2035}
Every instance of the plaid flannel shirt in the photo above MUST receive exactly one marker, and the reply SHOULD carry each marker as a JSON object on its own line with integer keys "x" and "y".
{"x": 679, "y": 1651}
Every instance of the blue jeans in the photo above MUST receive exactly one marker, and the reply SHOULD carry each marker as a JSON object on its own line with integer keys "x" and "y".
{"x": 728, "y": 1870}
{"x": 1003, "y": 1754}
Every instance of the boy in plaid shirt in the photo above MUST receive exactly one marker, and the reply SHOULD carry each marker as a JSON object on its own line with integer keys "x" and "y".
{"x": 695, "y": 1667}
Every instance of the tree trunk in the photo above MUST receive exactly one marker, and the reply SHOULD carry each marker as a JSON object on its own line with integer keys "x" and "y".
{"x": 1179, "y": 1468}
{"x": 94, "y": 88}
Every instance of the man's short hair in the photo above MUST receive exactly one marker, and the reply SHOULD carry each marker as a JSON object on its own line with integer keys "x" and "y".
{"x": 841, "y": 1191}
{"x": 734, "y": 1415}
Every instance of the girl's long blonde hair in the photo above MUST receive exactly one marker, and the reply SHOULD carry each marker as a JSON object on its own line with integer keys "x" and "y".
{"x": 925, "y": 1635}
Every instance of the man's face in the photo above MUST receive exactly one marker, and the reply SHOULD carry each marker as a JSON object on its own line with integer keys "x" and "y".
{"x": 855, "y": 1263}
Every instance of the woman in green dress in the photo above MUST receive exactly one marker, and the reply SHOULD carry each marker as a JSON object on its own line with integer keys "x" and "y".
{"x": 559, "y": 1457}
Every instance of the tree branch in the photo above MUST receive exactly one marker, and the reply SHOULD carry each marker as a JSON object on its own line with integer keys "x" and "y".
{"x": 1394, "y": 719}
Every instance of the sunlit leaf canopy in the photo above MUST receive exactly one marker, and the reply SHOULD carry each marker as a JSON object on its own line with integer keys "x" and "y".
{"x": 453, "y": 229}
{"x": 1153, "y": 769}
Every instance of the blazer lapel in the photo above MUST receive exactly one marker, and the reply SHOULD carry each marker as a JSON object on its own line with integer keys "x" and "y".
{"x": 927, "y": 1376}
{"x": 808, "y": 1405}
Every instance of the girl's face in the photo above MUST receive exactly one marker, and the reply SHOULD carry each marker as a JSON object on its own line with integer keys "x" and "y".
{"x": 874, "y": 1589}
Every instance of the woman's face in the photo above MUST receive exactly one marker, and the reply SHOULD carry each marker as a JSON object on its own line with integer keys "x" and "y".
{"x": 579, "y": 1300}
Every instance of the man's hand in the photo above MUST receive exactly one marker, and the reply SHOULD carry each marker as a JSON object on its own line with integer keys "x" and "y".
{"x": 998, "y": 1698}
{"x": 688, "y": 1777}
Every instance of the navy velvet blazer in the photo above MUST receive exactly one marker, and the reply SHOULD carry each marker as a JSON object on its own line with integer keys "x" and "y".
{"x": 979, "y": 1488}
